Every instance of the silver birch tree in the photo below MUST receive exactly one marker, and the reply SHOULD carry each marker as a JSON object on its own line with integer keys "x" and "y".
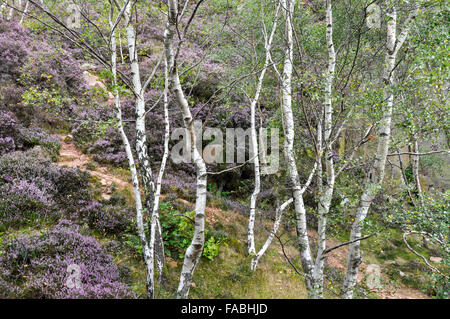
{"x": 195, "y": 249}
{"x": 375, "y": 177}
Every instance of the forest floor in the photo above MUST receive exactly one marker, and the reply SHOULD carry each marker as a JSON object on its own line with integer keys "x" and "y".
{"x": 273, "y": 279}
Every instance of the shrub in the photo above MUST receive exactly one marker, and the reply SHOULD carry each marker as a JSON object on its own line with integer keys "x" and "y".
{"x": 64, "y": 186}
{"x": 37, "y": 137}
{"x": 15, "y": 136}
{"x": 110, "y": 219}
{"x": 7, "y": 145}
{"x": 37, "y": 266}
{"x": 24, "y": 202}
{"x": 109, "y": 150}
{"x": 14, "y": 49}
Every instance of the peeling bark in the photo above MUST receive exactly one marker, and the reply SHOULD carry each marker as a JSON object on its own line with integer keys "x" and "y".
{"x": 147, "y": 252}
{"x": 377, "y": 171}
{"x": 288, "y": 119}
{"x": 326, "y": 191}
{"x": 195, "y": 249}
{"x": 255, "y": 148}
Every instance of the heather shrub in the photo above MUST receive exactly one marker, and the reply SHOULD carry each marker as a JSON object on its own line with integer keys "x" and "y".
{"x": 14, "y": 136}
{"x": 37, "y": 266}
{"x": 14, "y": 49}
{"x": 54, "y": 68}
{"x": 24, "y": 202}
{"x": 64, "y": 186}
{"x": 109, "y": 149}
{"x": 9, "y": 127}
{"x": 106, "y": 218}
{"x": 11, "y": 98}
{"x": 35, "y": 136}
{"x": 7, "y": 145}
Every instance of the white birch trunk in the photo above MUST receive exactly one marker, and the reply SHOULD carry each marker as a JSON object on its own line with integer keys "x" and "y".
{"x": 269, "y": 239}
{"x": 147, "y": 252}
{"x": 376, "y": 174}
{"x": 288, "y": 118}
{"x": 24, "y": 13}
{"x": 156, "y": 225}
{"x": 326, "y": 191}
{"x": 141, "y": 146}
{"x": 11, "y": 12}
{"x": 255, "y": 148}
{"x": 415, "y": 167}
{"x": 2, "y": 7}
{"x": 195, "y": 249}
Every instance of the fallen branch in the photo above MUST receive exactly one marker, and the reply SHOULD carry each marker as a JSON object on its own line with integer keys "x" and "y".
{"x": 419, "y": 255}
{"x": 287, "y": 257}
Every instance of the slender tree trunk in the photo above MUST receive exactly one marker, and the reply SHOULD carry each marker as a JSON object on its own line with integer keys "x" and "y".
{"x": 415, "y": 167}
{"x": 255, "y": 148}
{"x": 288, "y": 118}
{"x": 2, "y": 7}
{"x": 326, "y": 191}
{"x": 376, "y": 173}
{"x": 160, "y": 260}
{"x": 11, "y": 12}
{"x": 156, "y": 242}
{"x": 147, "y": 252}
{"x": 274, "y": 230}
{"x": 24, "y": 13}
{"x": 195, "y": 249}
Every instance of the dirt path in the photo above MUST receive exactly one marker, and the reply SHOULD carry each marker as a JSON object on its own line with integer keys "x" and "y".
{"x": 71, "y": 156}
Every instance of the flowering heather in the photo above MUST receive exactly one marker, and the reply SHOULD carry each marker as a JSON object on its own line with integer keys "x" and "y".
{"x": 109, "y": 219}
{"x": 35, "y": 136}
{"x": 14, "y": 49}
{"x": 14, "y": 136}
{"x": 31, "y": 184}
{"x": 36, "y": 266}
{"x": 7, "y": 145}
{"x": 40, "y": 63}
{"x": 23, "y": 202}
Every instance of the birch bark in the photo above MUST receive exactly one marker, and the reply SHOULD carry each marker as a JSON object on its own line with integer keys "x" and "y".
{"x": 288, "y": 119}
{"x": 195, "y": 249}
{"x": 376, "y": 173}
{"x": 2, "y": 7}
{"x": 147, "y": 252}
{"x": 24, "y": 13}
{"x": 415, "y": 167}
{"x": 326, "y": 191}
{"x": 141, "y": 147}
{"x": 11, "y": 12}
{"x": 255, "y": 147}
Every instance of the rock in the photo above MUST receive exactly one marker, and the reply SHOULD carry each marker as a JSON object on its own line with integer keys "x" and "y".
{"x": 436, "y": 259}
